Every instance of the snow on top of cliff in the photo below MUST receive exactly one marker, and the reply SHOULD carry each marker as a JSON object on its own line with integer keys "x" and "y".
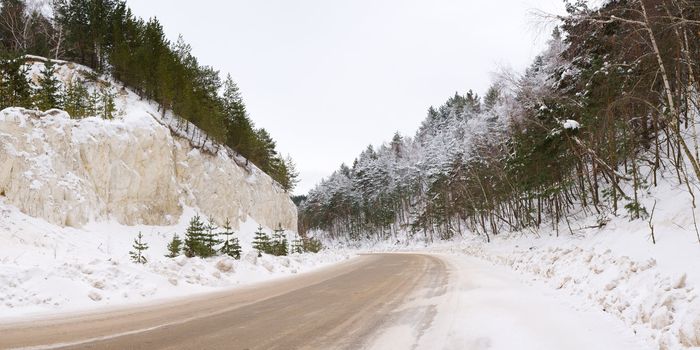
{"x": 14, "y": 114}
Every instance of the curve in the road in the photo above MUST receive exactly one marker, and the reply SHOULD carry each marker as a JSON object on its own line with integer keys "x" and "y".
{"x": 342, "y": 307}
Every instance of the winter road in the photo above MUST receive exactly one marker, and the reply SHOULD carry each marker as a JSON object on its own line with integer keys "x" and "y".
{"x": 341, "y": 307}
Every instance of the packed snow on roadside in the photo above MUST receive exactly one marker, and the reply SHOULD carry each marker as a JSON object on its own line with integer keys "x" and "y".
{"x": 47, "y": 269}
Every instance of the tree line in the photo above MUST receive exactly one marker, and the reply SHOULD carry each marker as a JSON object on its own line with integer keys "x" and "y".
{"x": 105, "y": 36}
{"x": 206, "y": 239}
{"x": 596, "y": 120}
{"x": 74, "y": 97}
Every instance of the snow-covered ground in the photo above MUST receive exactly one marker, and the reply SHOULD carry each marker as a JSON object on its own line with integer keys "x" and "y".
{"x": 487, "y": 307}
{"x": 48, "y": 270}
{"x": 615, "y": 271}
{"x": 608, "y": 288}
{"x": 651, "y": 289}
{"x": 74, "y": 193}
{"x": 620, "y": 288}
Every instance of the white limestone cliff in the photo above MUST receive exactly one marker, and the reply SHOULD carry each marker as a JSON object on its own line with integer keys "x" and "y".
{"x": 132, "y": 169}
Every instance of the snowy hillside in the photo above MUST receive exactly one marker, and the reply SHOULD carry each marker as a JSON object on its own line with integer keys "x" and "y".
{"x": 582, "y": 173}
{"x": 132, "y": 168}
{"x": 74, "y": 193}
{"x": 47, "y": 269}
{"x": 652, "y": 288}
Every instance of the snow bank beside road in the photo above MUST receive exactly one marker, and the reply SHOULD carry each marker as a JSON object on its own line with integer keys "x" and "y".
{"x": 654, "y": 296}
{"x": 652, "y": 289}
{"x": 47, "y": 269}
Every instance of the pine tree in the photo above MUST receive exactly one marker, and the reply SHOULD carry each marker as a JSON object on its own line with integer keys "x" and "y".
{"x": 279, "y": 242}
{"x": 48, "y": 94}
{"x": 107, "y": 105}
{"x": 174, "y": 247}
{"x": 139, "y": 247}
{"x": 261, "y": 242}
{"x": 194, "y": 238}
{"x": 77, "y": 100}
{"x": 92, "y": 106}
{"x": 231, "y": 246}
{"x": 492, "y": 96}
{"x": 240, "y": 134}
{"x": 16, "y": 89}
{"x": 291, "y": 175}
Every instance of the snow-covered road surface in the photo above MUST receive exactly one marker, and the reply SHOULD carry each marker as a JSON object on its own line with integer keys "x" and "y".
{"x": 382, "y": 301}
{"x": 336, "y": 307}
{"x": 488, "y": 307}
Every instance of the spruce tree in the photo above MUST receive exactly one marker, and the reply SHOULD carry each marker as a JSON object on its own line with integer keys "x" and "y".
{"x": 174, "y": 247}
{"x": 194, "y": 238}
{"x": 92, "y": 105}
{"x": 231, "y": 246}
{"x": 279, "y": 242}
{"x": 297, "y": 246}
{"x": 48, "y": 94}
{"x": 209, "y": 239}
{"x": 261, "y": 242}
{"x": 139, "y": 247}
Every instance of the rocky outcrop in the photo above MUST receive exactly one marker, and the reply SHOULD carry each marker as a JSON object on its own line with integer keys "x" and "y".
{"x": 131, "y": 169}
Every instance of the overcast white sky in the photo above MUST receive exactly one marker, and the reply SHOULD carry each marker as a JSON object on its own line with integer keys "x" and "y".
{"x": 326, "y": 78}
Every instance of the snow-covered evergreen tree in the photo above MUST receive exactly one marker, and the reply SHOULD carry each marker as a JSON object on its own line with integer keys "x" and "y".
{"x": 209, "y": 239}
{"x": 194, "y": 238}
{"x": 15, "y": 89}
{"x": 261, "y": 241}
{"x": 231, "y": 246}
{"x": 279, "y": 244}
{"x": 297, "y": 245}
{"x": 77, "y": 100}
{"x": 174, "y": 247}
{"x": 48, "y": 94}
{"x": 139, "y": 247}
{"x": 107, "y": 105}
